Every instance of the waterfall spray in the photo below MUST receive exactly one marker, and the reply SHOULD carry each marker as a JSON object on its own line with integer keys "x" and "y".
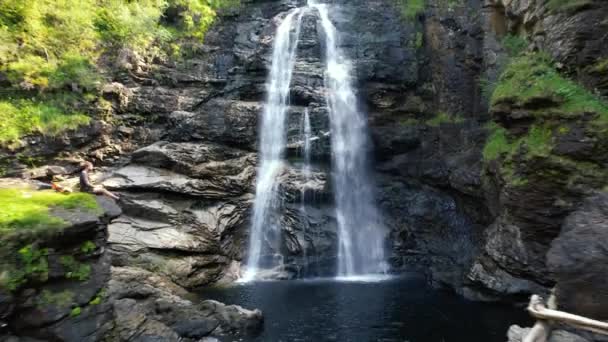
{"x": 361, "y": 234}
{"x": 272, "y": 141}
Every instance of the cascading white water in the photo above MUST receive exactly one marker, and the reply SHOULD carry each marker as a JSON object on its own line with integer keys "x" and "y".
{"x": 272, "y": 141}
{"x": 361, "y": 234}
{"x": 306, "y": 136}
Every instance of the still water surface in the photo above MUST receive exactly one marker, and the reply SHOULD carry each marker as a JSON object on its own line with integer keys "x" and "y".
{"x": 398, "y": 309}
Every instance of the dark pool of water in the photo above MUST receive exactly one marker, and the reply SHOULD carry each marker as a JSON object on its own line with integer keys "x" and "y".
{"x": 400, "y": 309}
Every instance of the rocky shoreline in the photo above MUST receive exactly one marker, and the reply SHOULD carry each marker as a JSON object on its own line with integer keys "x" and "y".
{"x": 182, "y": 152}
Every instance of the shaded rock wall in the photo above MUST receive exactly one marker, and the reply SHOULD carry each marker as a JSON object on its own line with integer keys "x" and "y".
{"x": 188, "y": 186}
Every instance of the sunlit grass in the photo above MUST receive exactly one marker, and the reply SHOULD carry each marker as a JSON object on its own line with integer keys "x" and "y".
{"x": 532, "y": 76}
{"x": 22, "y": 117}
{"x": 24, "y": 209}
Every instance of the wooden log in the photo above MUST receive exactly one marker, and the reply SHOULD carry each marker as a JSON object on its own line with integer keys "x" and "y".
{"x": 537, "y": 309}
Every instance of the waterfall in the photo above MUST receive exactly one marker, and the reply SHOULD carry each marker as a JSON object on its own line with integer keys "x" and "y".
{"x": 361, "y": 234}
{"x": 306, "y": 136}
{"x": 272, "y": 140}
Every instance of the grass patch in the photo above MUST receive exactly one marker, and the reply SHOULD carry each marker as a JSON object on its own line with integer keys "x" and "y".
{"x": 24, "y": 209}
{"x": 23, "y": 117}
{"x": 497, "y": 144}
{"x": 515, "y": 45}
{"x": 532, "y": 77}
{"x": 411, "y": 9}
{"x": 538, "y": 142}
{"x": 443, "y": 117}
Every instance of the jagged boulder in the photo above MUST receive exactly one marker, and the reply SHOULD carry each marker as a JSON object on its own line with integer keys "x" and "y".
{"x": 579, "y": 260}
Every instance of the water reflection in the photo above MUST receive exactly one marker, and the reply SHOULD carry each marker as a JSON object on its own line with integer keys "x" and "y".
{"x": 399, "y": 309}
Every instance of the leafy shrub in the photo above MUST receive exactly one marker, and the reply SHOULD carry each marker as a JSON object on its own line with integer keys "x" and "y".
{"x": 22, "y": 117}
{"x": 75, "y": 70}
{"x": 54, "y": 45}
{"x": 515, "y": 45}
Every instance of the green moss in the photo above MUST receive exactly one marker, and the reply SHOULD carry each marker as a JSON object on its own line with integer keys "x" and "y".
{"x": 409, "y": 122}
{"x": 95, "y": 301}
{"x": 25, "y": 209}
{"x": 62, "y": 299}
{"x": 74, "y": 269}
{"x": 75, "y": 312}
{"x": 443, "y": 117}
{"x": 518, "y": 181}
{"x": 531, "y": 78}
{"x": 88, "y": 247}
{"x": 515, "y": 45}
{"x": 31, "y": 264}
{"x": 538, "y": 142}
{"x": 23, "y": 117}
{"x": 496, "y": 144}
{"x": 411, "y": 9}
{"x": 563, "y": 130}
{"x": 418, "y": 40}
{"x": 567, "y": 5}
{"x": 601, "y": 66}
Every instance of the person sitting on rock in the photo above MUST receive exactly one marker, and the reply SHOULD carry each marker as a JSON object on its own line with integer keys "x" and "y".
{"x": 87, "y": 186}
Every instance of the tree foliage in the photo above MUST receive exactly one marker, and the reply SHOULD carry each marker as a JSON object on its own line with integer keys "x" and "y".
{"x": 55, "y": 45}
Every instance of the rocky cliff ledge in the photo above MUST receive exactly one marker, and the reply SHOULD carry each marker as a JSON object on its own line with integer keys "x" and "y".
{"x": 487, "y": 182}
{"x": 60, "y": 285}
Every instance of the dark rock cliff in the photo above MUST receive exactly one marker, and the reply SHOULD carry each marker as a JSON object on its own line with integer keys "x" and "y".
{"x": 184, "y": 154}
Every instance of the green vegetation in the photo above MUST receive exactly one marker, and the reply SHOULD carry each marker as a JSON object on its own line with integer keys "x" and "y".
{"x": 567, "y": 5}
{"x": 32, "y": 266}
{"x": 443, "y": 117}
{"x": 515, "y": 45}
{"x": 29, "y": 209}
{"x": 62, "y": 299}
{"x": 98, "y": 298}
{"x": 88, "y": 247}
{"x": 496, "y": 144}
{"x": 411, "y": 9}
{"x": 532, "y": 77}
{"x": 19, "y": 118}
{"x": 51, "y": 49}
{"x": 418, "y": 40}
{"x": 76, "y": 311}
{"x": 601, "y": 66}
{"x": 538, "y": 142}
{"x": 74, "y": 269}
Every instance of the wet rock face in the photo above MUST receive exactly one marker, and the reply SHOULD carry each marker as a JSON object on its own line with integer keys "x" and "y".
{"x": 188, "y": 199}
{"x": 573, "y": 35}
{"x": 577, "y": 259}
{"x": 147, "y": 306}
{"x": 67, "y": 303}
